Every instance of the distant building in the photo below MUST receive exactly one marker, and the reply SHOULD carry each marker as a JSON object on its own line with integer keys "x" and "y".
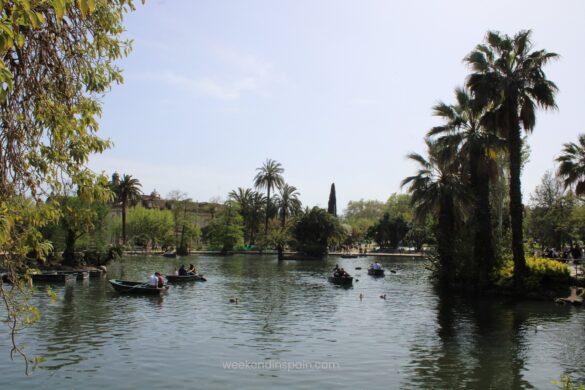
{"x": 154, "y": 201}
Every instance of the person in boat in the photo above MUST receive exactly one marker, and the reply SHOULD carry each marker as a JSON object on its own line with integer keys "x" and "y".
{"x": 153, "y": 280}
{"x": 191, "y": 270}
{"x": 342, "y": 273}
{"x": 161, "y": 280}
{"x": 336, "y": 269}
{"x": 376, "y": 266}
{"x": 182, "y": 270}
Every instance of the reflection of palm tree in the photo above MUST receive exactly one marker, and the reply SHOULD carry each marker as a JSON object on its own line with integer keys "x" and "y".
{"x": 509, "y": 75}
{"x": 437, "y": 188}
{"x": 287, "y": 202}
{"x": 127, "y": 189}
{"x": 572, "y": 165}
{"x": 269, "y": 176}
{"x": 464, "y": 135}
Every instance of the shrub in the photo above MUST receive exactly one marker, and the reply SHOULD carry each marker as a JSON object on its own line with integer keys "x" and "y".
{"x": 540, "y": 273}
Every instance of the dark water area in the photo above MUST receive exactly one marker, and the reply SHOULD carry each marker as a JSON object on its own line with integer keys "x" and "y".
{"x": 292, "y": 329}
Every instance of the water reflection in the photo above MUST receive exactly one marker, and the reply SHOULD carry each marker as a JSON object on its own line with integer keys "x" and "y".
{"x": 417, "y": 337}
{"x": 481, "y": 344}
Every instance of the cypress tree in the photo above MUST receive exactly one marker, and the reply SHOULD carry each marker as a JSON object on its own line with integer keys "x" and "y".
{"x": 332, "y": 205}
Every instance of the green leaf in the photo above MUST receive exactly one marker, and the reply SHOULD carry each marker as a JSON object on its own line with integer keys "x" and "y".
{"x": 20, "y": 40}
{"x": 83, "y": 7}
{"x": 59, "y": 7}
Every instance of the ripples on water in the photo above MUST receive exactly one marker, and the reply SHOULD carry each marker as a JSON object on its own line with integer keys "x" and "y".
{"x": 288, "y": 312}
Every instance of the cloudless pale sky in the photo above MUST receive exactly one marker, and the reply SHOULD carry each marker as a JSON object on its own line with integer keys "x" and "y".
{"x": 336, "y": 91}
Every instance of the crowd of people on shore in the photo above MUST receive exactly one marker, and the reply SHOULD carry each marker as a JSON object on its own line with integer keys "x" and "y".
{"x": 567, "y": 253}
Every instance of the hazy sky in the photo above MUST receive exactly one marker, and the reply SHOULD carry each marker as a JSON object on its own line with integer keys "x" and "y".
{"x": 336, "y": 91}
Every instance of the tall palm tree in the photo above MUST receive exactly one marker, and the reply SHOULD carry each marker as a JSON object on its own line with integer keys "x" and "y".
{"x": 464, "y": 133}
{"x": 437, "y": 189}
{"x": 287, "y": 202}
{"x": 127, "y": 189}
{"x": 507, "y": 73}
{"x": 269, "y": 176}
{"x": 572, "y": 165}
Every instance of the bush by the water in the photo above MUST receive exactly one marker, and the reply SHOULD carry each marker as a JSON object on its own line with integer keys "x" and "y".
{"x": 540, "y": 273}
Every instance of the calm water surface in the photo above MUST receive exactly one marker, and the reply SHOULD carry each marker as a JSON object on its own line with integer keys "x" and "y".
{"x": 289, "y": 316}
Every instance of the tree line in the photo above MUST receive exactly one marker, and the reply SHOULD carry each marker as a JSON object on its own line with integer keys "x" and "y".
{"x": 469, "y": 179}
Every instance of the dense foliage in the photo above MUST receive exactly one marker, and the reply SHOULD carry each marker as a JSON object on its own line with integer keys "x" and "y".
{"x": 541, "y": 273}
{"x": 388, "y": 232}
{"x": 57, "y": 60}
{"x": 315, "y": 230}
{"x": 480, "y": 143}
{"x": 226, "y": 232}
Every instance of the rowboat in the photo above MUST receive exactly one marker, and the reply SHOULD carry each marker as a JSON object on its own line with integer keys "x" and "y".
{"x": 96, "y": 273}
{"x": 54, "y": 277}
{"x": 184, "y": 278}
{"x": 124, "y": 286}
{"x": 47, "y": 277}
{"x": 345, "y": 281}
{"x": 170, "y": 254}
{"x": 80, "y": 275}
{"x": 375, "y": 272}
{"x": 349, "y": 256}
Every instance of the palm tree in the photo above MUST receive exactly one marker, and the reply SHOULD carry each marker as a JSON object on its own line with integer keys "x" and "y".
{"x": 269, "y": 176}
{"x": 256, "y": 214}
{"x": 243, "y": 197}
{"x": 287, "y": 202}
{"x": 572, "y": 165}
{"x": 127, "y": 189}
{"x": 437, "y": 189}
{"x": 464, "y": 134}
{"x": 508, "y": 74}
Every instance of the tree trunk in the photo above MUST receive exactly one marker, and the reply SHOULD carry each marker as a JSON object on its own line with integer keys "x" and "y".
{"x": 123, "y": 223}
{"x": 69, "y": 252}
{"x": 516, "y": 208}
{"x": 268, "y": 210}
{"x": 446, "y": 245}
{"x": 483, "y": 250}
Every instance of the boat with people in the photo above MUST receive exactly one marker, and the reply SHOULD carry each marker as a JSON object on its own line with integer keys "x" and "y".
{"x": 376, "y": 269}
{"x": 341, "y": 280}
{"x": 375, "y": 272}
{"x": 128, "y": 287}
{"x": 185, "y": 278}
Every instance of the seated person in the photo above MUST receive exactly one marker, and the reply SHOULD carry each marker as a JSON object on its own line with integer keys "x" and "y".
{"x": 182, "y": 270}
{"x": 152, "y": 280}
{"x": 161, "y": 280}
{"x": 192, "y": 270}
{"x": 343, "y": 274}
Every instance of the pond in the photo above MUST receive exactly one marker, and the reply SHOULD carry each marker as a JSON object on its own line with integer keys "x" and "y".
{"x": 292, "y": 329}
